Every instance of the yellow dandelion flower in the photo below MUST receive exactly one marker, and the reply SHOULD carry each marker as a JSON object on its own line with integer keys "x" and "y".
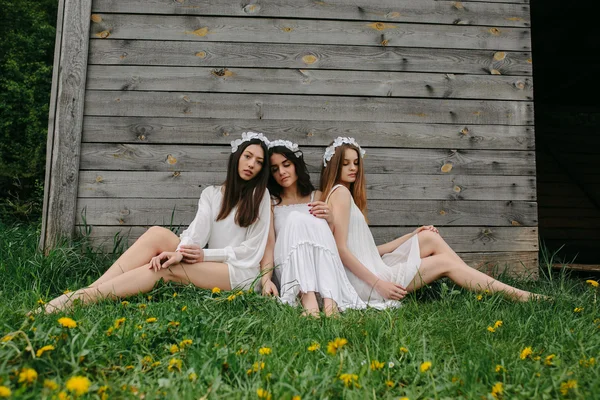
{"x": 479, "y": 297}
{"x": 147, "y": 360}
{"x": 403, "y": 350}
{"x": 499, "y": 368}
{"x": 174, "y": 324}
{"x": 216, "y": 290}
{"x": 67, "y": 291}
{"x": 185, "y": 343}
{"x": 390, "y": 384}
{"x": 151, "y": 320}
{"x": 548, "y": 359}
{"x": 240, "y": 352}
{"x": 337, "y": 344}
{"x": 119, "y": 322}
{"x": 67, "y": 322}
{"x": 44, "y": 349}
{"x": 497, "y": 390}
{"x": 263, "y": 394}
{"x": 28, "y": 375}
{"x": 155, "y": 364}
{"x": 296, "y": 397}
{"x": 587, "y": 362}
{"x": 566, "y": 386}
{"x": 536, "y": 358}
{"x": 129, "y": 367}
{"x": 578, "y": 309}
{"x": 124, "y": 303}
{"x": 376, "y": 365}
{"x": 175, "y": 364}
{"x": 491, "y": 329}
{"x": 314, "y": 346}
{"x": 149, "y": 297}
{"x": 50, "y": 384}
{"x": 592, "y": 282}
{"x": 183, "y": 308}
{"x": 349, "y": 380}
{"x": 175, "y": 294}
{"x": 425, "y": 366}
{"x": 102, "y": 392}
{"x": 142, "y": 306}
{"x": 231, "y": 297}
{"x": 526, "y": 352}
{"x": 403, "y": 398}
{"x": 7, "y": 338}
{"x": 41, "y": 302}
{"x": 78, "y": 384}
{"x": 498, "y": 324}
{"x": 63, "y": 396}
{"x": 5, "y": 391}
{"x": 264, "y": 351}
{"x": 173, "y": 349}
{"x": 193, "y": 377}
{"x": 109, "y": 331}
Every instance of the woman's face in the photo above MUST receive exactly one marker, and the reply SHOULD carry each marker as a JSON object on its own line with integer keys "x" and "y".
{"x": 349, "y": 166}
{"x": 283, "y": 170}
{"x": 251, "y": 162}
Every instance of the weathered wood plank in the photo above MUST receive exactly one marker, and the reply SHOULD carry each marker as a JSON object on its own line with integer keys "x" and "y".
{"x": 103, "y": 211}
{"x": 461, "y": 239}
{"x": 140, "y": 157}
{"x": 263, "y": 30}
{"x": 338, "y": 108}
{"x": 51, "y": 117}
{"x": 261, "y": 55}
{"x": 61, "y": 188}
{"x": 521, "y": 265}
{"x": 307, "y": 132}
{"x": 128, "y": 184}
{"x": 428, "y": 11}
{"x": 309, "y": 82}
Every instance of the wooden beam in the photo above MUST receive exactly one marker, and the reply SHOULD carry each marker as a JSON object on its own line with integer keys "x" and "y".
{"x": 427, "y": 11}
{"x": 61, "y": 186}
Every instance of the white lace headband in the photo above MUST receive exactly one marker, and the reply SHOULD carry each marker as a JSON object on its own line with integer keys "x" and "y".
{"x": 293, "y": 147}
{"x": 247, "y": 136}
{"x": 330, "y": 151}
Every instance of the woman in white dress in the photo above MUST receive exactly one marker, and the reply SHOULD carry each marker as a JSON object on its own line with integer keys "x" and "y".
{"x": 232, "y": 219}
{"x": 305, "y": 255}
{"x": 383, "y": 275}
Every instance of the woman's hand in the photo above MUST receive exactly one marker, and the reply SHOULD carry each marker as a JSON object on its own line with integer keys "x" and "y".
{"x": 269, "y": 288}
{"x": 321, "y": 210}
{"x": 426, "y": 228}
{"x": 192, "y": 253}
{"x": 165, "y": 260}
{"x": 390, "y": 291}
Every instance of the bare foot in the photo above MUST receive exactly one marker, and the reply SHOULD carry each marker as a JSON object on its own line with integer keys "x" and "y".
{"x": 311, "y": 313}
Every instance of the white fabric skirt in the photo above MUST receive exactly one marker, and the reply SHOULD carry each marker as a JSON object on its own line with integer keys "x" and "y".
{"x": 307, "y": 260}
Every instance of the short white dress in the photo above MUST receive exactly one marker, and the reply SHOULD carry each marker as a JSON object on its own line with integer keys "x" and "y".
{"x": 399, "y": 266}
{"x": 307, "y": 260}
{"x": 240, "y": 248}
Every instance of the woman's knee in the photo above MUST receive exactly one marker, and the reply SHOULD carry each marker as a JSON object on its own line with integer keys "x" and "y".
{"x": 161, "y": 236}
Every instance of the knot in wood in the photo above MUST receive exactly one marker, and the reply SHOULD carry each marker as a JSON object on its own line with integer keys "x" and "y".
{"x": 458, "y": 5}
{"x": 251, "y": 8}
{"x": 103, "y": 34}
{"x": 447, "y": 167}
{"x": 171, "y": 160}
{"x": 464, "y": 131}
{"x": 99, "y": 179}
{"x": 499, "y": 56}
{"x": 201, "y": 54}
{"x": 96, "y": 18}
{"x": 176, "y": 174}
{"x": 309, "y": 59}
{"x": 494, "y": 31}
{"x": 287, "y": 29}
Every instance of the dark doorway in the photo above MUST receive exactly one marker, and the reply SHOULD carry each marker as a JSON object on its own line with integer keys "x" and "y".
{"x": 566, "y": 76}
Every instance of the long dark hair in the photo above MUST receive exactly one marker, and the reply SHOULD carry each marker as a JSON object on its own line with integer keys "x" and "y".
{"x": 246, "y": 195}
{"x": 305, "y": 186}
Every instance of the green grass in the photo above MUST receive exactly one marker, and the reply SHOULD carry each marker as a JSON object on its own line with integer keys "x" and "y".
{"x": 442, "y": 325}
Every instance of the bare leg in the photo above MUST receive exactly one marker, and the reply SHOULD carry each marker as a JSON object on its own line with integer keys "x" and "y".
{"x": 439, "y": 260}
{"x": 330, "y": 307}
{"x": 141, "y": 280}
{"x": 310, "y": 304}
{"x": 153, "y": 242}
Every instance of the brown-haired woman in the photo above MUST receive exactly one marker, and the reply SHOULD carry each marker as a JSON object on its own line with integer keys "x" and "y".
{"x": 383, "y": 275}
{"x": 232, "y": 219}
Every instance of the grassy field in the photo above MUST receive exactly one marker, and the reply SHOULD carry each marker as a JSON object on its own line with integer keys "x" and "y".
{"x": 181, "y": 342}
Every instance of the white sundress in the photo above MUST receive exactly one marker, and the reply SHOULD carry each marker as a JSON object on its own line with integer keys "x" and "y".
{"x": 307, "y": 260}
{"x": 399, "y": 266}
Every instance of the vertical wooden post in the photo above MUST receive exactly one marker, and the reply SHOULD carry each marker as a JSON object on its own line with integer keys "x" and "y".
{"x": 65, "y": 121}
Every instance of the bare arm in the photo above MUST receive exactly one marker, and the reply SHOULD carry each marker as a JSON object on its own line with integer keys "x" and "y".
{"x": 340, "y": 202}
{"x": 266, "y": 264}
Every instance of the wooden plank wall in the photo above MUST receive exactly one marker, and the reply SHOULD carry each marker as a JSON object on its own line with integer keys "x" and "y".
{"x": 438, "y": 92}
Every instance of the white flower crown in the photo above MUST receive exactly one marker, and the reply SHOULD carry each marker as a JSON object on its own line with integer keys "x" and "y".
{"x": 247, "y": 136}
{"x": 340, "y": 140}
{"x": 293, "y": 147}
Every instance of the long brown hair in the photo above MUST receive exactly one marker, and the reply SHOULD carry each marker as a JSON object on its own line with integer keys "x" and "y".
{"x": 330, "y": 176}
{"x": 246, "y": 195}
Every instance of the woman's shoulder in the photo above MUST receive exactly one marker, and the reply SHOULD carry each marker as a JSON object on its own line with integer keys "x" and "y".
{"x": 340, "y": 191}
{"x": 212, "y": 190}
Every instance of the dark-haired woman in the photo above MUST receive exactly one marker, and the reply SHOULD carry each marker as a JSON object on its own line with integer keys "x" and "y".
{"x": 306, "y": 258}
{"x": 232, "y": 219}
{"x": 383, "y": 275}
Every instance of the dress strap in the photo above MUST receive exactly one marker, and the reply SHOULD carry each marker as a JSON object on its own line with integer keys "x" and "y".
{"x": 312, "y": 196}
{"x": 331, "y": 192}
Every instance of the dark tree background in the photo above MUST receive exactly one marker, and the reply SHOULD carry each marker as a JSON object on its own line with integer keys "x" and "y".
{"x": 27, "y": 32}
